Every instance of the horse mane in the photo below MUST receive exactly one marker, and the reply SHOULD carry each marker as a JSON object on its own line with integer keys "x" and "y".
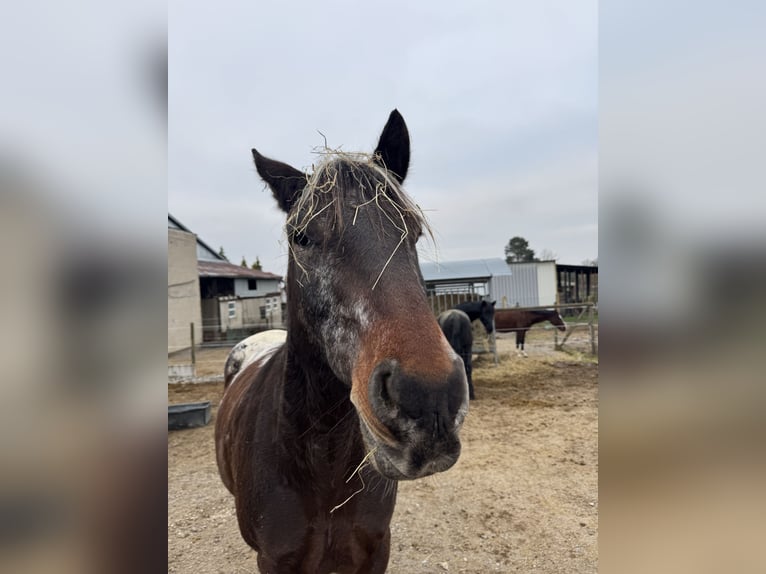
{"x": 339, "y": 171}
{"x": 335, "y": 173}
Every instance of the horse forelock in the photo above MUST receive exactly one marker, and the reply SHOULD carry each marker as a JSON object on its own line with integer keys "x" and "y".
{"x": 343, "y": 177}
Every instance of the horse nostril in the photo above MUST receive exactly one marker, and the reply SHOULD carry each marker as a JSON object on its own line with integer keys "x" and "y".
{"x": 383, "y": 382}
{"x": 385, "y": 379}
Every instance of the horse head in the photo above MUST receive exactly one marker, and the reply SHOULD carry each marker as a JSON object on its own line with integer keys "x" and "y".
{"x": 487, "y": 315}
{"x": 357, "y": 303}
{"x": 558, "y": 321}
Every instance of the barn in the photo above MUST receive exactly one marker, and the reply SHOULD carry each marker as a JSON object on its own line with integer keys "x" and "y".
{"x": 577, "y": 283}
{"x": 522, "y": 284}
{"x": 222, "y": 300}
{"x": 517, "y": 284}
{"x": 236, "y": 300}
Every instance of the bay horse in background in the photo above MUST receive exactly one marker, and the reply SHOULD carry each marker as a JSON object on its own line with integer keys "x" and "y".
{"x": 456, "y": 326}
{"x": 519, "y": 321}
{"x": 317, "y": 424}
{"x": 482, "y": 310}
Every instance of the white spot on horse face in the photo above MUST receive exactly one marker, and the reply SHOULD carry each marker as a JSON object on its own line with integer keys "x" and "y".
{"x": 361, "y": 314}
{"x": 340, "y": 331}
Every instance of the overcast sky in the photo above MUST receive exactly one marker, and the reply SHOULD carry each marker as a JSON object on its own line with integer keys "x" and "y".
{"x": 500, "y": 99}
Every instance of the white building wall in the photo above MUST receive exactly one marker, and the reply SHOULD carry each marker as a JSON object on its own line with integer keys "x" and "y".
{"x": 546, "y": 283}
{"x": 183, "y": 291}
{"x": 530, "y": 284}
{"x": 522, "y": 290}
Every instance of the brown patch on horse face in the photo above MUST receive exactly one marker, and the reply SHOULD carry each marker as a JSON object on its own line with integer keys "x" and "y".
{"x": 418, "y": 346}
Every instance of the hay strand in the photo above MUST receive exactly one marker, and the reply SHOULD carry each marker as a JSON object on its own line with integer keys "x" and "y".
{"x": 325, "y": 190}
{"x": 357, "y": 470}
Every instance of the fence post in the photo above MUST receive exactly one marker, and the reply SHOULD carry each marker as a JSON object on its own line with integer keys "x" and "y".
{"x": 592, "y": 331}
{"x": 193, "y": 355}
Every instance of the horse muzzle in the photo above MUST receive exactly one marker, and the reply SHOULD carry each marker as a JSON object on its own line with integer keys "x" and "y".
{"x": 412, "y": 426}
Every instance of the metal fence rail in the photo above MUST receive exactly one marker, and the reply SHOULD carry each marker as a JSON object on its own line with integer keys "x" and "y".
{"x": 585, "y": 319}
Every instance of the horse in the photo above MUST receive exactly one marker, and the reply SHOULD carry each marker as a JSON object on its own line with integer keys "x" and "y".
{"x": 520, "y": 320}
{"x": 482, "y": 310}
{"x": 456, "y": 326}
{"x": 314, "y": 431}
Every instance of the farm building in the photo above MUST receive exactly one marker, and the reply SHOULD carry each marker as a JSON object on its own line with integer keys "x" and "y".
{"x": 230, "y": 301}
{"x": 577, "y": 283}
{"x": 449, "y": 283}
{"x": 524, "y": 284}
{"x": 237, "y": 300}
{"x": 531, "y": 284}
{"x": 517, "y": 284}
{"x": 184, "y": 308}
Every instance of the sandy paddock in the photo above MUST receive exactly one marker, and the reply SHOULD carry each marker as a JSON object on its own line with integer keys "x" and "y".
{"x": 522, "y": 498}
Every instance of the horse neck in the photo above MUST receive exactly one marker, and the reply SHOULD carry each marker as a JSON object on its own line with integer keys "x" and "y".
{"x": 311, "y": 392}
{"x": 540, "y": 316}
{"x": 470, "y": 310}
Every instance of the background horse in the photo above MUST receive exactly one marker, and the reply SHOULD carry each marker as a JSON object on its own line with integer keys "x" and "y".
{"x": 313, "y": 433}
{"x": 520, "y": 320}
{"x": 482, "y": 310}
{"x": 456, "y": 326}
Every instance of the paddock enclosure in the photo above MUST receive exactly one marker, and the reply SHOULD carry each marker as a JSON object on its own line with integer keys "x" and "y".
{"x": 522, "y": 498}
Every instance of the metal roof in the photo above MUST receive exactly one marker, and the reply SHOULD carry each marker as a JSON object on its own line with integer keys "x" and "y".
{"x": 226, "y": 269}
{"x": 472, "y": 269}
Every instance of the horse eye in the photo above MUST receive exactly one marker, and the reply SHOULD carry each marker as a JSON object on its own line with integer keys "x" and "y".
{"x": 301, "y": 239}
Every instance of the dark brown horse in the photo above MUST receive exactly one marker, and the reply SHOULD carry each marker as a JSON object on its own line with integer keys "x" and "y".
{"x": 313, "y": 434}
{"x": 456, "y": 326}
{"x": 482, "y": 310}
{"x": 520, "y": 320}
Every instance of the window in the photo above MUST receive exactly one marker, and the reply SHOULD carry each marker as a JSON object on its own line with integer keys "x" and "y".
{"x": 232, "y": 309}
{"x": 252, "y": 284}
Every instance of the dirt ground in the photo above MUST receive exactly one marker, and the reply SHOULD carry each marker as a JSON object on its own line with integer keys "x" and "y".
{"x": 522, "y": 498}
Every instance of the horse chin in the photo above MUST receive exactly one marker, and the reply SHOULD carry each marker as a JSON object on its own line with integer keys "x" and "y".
{"x": 391, "y": 461}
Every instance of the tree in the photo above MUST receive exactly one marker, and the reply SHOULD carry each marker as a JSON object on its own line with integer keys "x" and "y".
{"x": 221, "y": 253}
{"x": 591, "y": 262}
{"x": 518, "y": 250}
{"x": 244, "y": 263}
{"x": 257, "y": 265}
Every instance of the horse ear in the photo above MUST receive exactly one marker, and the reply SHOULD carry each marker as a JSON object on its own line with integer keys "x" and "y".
{"x": 393, "y": 151}
{"x": 286, "y": 182}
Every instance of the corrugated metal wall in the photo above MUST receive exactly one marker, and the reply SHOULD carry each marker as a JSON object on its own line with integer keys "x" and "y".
{"x": 518, "y": 288}
{"x": 529, "y": 285}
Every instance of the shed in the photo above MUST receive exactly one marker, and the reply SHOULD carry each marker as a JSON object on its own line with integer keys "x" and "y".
{"x": 474, "y": 276}
{"x": 230, "y": 301}
{"x": 237, "y": 301}
{"x": 527, "y": 284}
{"x": 577, "y": 283}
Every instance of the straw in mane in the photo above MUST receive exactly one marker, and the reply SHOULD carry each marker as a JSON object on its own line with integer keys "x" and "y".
{"x": 327, "y": 193}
